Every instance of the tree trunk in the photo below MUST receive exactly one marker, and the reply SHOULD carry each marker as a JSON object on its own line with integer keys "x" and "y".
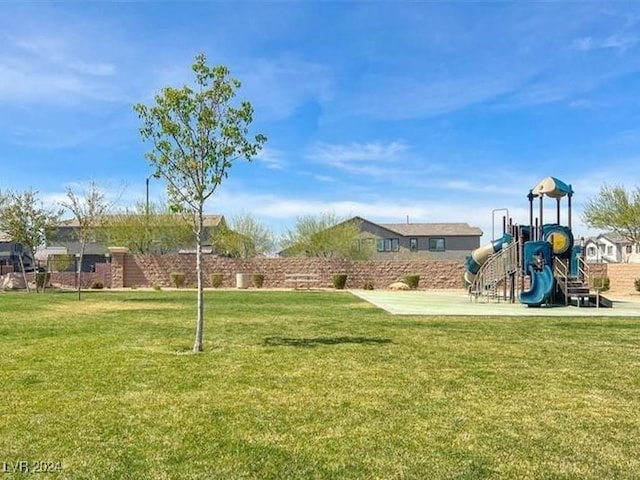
{"x": 197, "y": 346}
{"x": 79, "y": 272}
{"x": 47, "y": 273}
{"x": 24, "y": 274}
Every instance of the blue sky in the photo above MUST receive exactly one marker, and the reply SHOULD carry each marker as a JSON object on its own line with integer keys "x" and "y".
{"x": 439, "y": 111}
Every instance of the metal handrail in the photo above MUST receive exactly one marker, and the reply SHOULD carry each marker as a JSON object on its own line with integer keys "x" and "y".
{"x": 561, "y": 272}
{"x": 584, "y": 271}
{"x": 495, "y": 270}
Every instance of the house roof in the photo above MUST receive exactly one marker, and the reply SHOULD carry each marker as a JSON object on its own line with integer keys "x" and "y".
{"x": 615, "y": 238}
{"x": 611, "y": 237}
{"x": 212, "y": 220}
{"x": 432, "y": 229}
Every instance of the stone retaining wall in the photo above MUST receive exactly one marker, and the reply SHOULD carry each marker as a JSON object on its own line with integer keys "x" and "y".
{"x": 127, "y": 270}
{"x": 148, "y": 270}
{"x": 622, "y": 276}
{"x": 68, "y": 279}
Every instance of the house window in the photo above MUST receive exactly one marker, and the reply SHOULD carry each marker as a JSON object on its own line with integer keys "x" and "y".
{"x": 591, "y": 251}
{"x": 609, "y": 250}
{"x": 637, "y": 247}
{"x": 436, "y": 244}
{"x": 413, "y": 244}
{"x": 388, "y": 244}
{"x": 629, "y": 249}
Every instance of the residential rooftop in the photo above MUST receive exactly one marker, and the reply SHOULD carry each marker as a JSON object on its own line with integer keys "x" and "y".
{"x": 211, "y": 220}
{"x": 432, "y": 229}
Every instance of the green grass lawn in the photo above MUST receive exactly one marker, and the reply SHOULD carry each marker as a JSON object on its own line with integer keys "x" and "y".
{"x": 297, "y": 385}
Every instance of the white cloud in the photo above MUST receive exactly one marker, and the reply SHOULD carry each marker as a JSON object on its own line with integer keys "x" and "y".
{"x": 581, "y": 103}
{"x": 584, "y": 44}
{"x": 278, "y": 87}
{"x": 373, "y": 159}
{"x": 398, "y": 98}
{"x": 324, "y": 178}
{"x": 271, "y": 158}
{"x": 46, "y": 71}
{"x": 340, "y": 155}
{"x": 57, "y": 51}
{"x": 621, "y": 41}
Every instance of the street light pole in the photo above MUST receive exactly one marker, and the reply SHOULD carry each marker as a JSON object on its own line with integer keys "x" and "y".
{"x": 146, "y": 213}
{"x": 147, "y": 197}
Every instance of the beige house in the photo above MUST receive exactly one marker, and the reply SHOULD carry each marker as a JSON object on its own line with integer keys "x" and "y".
{"x": 437, "y": 241}
{"x": 611, "y": 248}
{"x": 398, "y": 241}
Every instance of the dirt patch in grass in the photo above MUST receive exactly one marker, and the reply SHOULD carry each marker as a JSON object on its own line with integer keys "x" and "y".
{"x": 111, "y": 306}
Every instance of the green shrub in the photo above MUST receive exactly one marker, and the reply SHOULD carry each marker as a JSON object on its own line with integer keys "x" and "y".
{"x": 601, "y": 283}
{"x": 412, "y": 280}
{"x": 62, "y": 262}
{"x": 156, "y": 286}
{"x": 216, "y": 280}
{"x": 339, "y": 281}
{"x": 97, "y": 285}
{"x": 177, "y": 279}
{"x": 42, "y": 279}
{"x": 258, "y": 280}
{"x": 368, "y": 285}
{"x": 636, "y": 283}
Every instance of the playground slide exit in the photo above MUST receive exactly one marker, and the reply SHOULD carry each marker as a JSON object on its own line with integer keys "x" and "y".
{"x": 480, "y": 255}
{"x": 541, "y": 288}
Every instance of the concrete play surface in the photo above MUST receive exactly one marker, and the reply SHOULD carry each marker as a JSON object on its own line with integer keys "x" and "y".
{"x": 434, "y": 302}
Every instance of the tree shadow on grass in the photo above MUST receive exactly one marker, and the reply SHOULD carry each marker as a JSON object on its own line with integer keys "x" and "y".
{"x": 316, "y": 341}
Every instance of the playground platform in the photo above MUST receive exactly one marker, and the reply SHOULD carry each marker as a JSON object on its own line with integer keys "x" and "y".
{"x": 447, "y": 302}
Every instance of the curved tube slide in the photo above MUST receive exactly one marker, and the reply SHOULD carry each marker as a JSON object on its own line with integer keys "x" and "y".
{"x": 480, "y": 255}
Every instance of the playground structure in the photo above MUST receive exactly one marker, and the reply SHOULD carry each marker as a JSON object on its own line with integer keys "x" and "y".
{"x": 539, "y": 263}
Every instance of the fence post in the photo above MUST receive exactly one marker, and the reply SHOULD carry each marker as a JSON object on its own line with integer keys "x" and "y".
{"x": 118, "y": 255}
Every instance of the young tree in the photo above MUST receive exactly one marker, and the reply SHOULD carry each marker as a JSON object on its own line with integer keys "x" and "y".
{"x": 616, "y": 210}
{"x": 156, "y": 230}
{"x": 196, "y": 135}
{"x": 88, "y": 209}
{"x": 247, "y": 238}
{"x": 325, "y": 236}
{"x": 25, "y": 219}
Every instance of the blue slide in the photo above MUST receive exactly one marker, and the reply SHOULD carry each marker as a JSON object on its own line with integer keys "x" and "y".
{"x": 542, "y": 282}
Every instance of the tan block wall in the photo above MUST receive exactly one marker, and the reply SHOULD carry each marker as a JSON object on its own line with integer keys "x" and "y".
{"x": 622, "y": 276}
{"x": 68, "y": 279}
{"x": 598, "y": 269}
{"x": 6, "y": 269}
{"x": 147, "y": 270}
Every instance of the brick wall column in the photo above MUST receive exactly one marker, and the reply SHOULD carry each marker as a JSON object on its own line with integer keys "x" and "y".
{"x": 117, "y": 266}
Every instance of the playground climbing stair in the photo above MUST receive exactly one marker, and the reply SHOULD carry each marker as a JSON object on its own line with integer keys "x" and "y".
{"x": 575, "y": 290}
